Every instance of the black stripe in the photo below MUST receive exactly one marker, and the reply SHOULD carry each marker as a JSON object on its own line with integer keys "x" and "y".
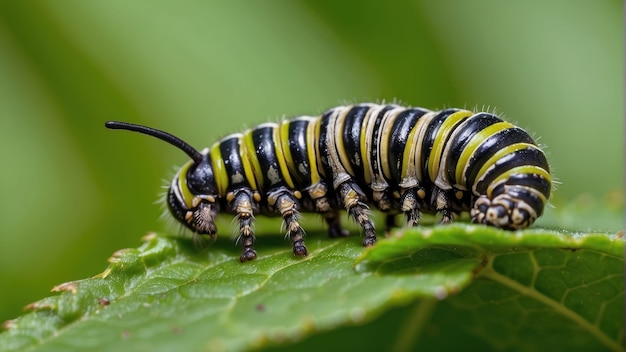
{"x": 229, "y": 148}
{"x": 523, "y": 157}
{"x": 464, "y": 134}
{"x": 323, "y": 150}
{"x": 375, "y": 148}
{"x": 352, "y": 138}
{"x": 299, "y": 155}
{"x": 492, "y": 145}
{"x": 534, "y": 181}
{"x": 263, "y": 139}
{"x": 398, "y": 139}
{"x": 429, "y": 139}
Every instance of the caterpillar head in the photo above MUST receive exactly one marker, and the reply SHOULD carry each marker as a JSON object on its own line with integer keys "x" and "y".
{"x": 512, "y": 207}
{"x": 192, "y": 195}
{"x": 503, "y": 212}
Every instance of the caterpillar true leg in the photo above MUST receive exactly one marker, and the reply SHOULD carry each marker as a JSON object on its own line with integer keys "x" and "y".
{"x": 322, "y": 205}
{"x": 242, "y": 203}
{"x": 409, "y": 204}
{"x": 351, "y": 196}
{"x": 284, "y": 202}
{"x": 443, "y": 204}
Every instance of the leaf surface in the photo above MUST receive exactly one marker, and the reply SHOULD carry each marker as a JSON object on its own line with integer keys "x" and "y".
{"x": 496, "y": 288}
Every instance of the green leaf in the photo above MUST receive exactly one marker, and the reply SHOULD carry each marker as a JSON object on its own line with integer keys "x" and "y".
{"x": 534, "y": 289}
{"x": 167, "y": 294}
{"x": 489, "y": 288}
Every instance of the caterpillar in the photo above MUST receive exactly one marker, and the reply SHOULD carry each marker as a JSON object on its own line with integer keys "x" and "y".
{"x": 396, "y": 159}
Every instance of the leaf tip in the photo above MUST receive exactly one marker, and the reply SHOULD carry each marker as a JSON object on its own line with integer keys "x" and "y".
{"x": 102, "y": 275}
{"x": 71, "y": 286}
{"x": 9, "y": 324}
{"x": 116, "y": 257}
{"x": 39, "y": 305}
{"x": 149, "y": 237}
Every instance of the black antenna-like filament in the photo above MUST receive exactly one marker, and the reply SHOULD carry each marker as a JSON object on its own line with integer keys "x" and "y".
{"x": 164, "y": 136}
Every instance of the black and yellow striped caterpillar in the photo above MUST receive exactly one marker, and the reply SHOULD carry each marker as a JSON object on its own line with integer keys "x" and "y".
{"x": 398, "y": 159}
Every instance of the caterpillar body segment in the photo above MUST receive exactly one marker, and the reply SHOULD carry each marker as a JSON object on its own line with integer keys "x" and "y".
{"x": 396, "y": 159}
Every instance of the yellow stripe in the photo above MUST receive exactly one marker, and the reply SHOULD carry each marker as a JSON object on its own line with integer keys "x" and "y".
{"x": 247, "y": 166}
{"x": 340, "y": 125}
{"x": 383, "y": 141}
{"x": 408, "y": 160}
{"x": 497, "y": 156}
{"x": 421, "y": 133}
{"x": 252, "y": 156}
{"x": 280, "y": 156}
{"x": 182, "y": 184}
{"x": 312, "y": 138}
{"x": 524, "y": 169}
{"x": 438, "y": 145}
{"x": 364, "y": 143}
{"x": 219, "y": 170}
{"x": 474, "y": 143}
{"x": 320, "y": 167}
{"x": 284, "y": 143}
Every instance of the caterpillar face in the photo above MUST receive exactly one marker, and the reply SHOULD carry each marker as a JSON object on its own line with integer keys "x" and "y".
{"x": 515, "y": 203}
{"x": 397, "y": 159}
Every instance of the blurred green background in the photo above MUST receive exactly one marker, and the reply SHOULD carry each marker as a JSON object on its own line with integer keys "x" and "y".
{"x": 73, "y": 192}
